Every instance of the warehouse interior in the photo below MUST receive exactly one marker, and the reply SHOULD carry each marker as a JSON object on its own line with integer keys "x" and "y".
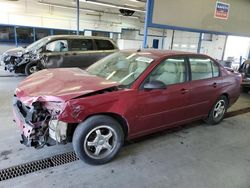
{"x": 190, "y": 155}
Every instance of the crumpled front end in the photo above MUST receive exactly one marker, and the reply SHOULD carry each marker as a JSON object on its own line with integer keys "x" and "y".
{"x": 39, "y": 124}
{"x": 11, "y": 64}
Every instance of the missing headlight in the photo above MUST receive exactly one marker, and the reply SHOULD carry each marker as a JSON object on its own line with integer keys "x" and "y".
{"x": 58, "y": 130}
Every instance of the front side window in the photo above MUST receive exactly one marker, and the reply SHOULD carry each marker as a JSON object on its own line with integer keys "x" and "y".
{"x": 104, "y": 45}
{"x": 122, "y": 67}
{"x": 170, "y": 71}
{"x": 57, "y": 46}
{"x": 201, "y": 68}
{"x": 80, "y": 45}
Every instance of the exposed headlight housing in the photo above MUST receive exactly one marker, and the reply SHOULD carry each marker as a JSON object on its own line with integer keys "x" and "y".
{"x": 58, "y": 130}
{"x": 26, "y": 56}
{"x": 19, "y": 54}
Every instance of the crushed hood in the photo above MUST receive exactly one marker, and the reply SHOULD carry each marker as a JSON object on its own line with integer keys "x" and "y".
{"x": 60, "y": 84}
{"x": 17, "y": 52}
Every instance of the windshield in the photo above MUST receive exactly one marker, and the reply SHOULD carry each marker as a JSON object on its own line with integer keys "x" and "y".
{"x": 122, "y": 67}
{"x": 38, "y": 44}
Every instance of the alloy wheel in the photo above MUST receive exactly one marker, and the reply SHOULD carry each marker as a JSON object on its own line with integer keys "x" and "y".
{"x": 219, "y": 109}
{"x": 100, "y": 142}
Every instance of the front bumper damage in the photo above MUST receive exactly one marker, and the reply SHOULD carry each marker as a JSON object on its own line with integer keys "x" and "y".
{"x": 14, "y": 64}
{"x": 38, "y": 125}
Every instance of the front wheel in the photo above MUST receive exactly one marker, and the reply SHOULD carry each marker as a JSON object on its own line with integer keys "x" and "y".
{"x": 98, "y": 139}
{"x": 31, "y": 68}
{"x": 216, "y": 114}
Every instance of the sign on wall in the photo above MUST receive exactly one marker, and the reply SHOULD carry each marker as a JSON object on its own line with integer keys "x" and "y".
{"x": 222, "y": 10}
{"x": 227, "y": 17}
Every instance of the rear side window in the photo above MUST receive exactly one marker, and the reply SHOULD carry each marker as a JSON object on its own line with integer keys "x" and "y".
{"x": 201, "y": 68}
{"x": 104, "y": 45}
{"x": 80, "y": 45}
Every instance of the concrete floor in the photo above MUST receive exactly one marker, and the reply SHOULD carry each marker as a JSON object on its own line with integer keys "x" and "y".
{"x": 192, "y": 157}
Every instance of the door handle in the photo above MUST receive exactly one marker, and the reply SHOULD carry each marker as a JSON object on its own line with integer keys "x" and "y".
{"x": 184, "y": 91}
{"x": 66, "y": 54}
{"x": 214, "y": 85}
{"x": 74, "y": 54}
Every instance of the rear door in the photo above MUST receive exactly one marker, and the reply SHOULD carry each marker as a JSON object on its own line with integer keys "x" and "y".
{"x": 205, "y": 84}
{"x": 81, "y": 53}
{"x": 104, "y": 48}
{"x": 55, "y": 52}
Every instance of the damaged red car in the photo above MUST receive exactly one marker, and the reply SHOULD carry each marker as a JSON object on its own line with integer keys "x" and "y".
{"x": 124, "y": 96}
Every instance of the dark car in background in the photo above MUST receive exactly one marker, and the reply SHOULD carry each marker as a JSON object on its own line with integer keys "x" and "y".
{"x": 245, "y": 71}
{"x": 126, "y": 95}
{"x": 58, "y": 51}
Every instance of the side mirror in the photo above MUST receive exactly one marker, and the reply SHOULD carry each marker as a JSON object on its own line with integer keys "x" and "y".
{"x": 156, "y": 84}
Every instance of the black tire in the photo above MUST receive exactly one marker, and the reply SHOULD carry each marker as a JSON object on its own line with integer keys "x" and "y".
{"x": 31, "y": 68}
{"x": 212, "y": 119}
{"x": 86, "y": 140}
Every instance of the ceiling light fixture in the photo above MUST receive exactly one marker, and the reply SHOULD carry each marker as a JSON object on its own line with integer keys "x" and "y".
{"x": 135, "y": 1}
{"x": 134, "y": 17}
{"x": 111, "y": 5}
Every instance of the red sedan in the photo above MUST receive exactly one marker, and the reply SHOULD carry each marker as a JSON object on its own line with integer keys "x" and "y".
{"x": 123, "y": 96}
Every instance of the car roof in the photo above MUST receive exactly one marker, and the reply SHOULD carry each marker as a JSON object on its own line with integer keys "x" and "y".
{"x": 156, "y": 54}
{"x": 52, "y": 37}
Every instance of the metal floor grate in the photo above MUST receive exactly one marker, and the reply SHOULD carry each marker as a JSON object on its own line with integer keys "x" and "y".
{"x": 64, "y": 158}
{"x": 34, "y": 166}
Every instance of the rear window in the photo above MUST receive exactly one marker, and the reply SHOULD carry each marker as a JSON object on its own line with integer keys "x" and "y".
{"x": 104, "y": 45}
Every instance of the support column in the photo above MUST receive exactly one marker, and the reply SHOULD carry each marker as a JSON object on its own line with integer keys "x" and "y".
{"x": 15, "y": 36}
{"x": 224, "y": 48}
{"x": 145, "y": 37}
{"x": 199, "y": 44}
{"x": 34, "y": 34}
{"x": 162, "y": 39}
{"x": 78, "y": 16}
{"x": 172, "y": 41}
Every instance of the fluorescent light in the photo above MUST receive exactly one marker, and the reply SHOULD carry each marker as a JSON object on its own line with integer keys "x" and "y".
{"x": 111, "y": 5}
{"x": 176, "y": 45}
{"x": 67, "y": 7}
{"x": 183, "y": 45}
{"x": 134, "y": 17}
{"x": 192, "y": 46}
{"x": 136, "y": 1}
{"x": 128, "y": 5}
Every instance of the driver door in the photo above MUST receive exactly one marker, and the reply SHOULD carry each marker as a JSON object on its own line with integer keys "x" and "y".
{"x": 159, "y": 108}
{"x": 57, "y": 53}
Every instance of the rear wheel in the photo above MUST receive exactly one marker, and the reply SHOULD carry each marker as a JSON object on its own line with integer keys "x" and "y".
{"x": 98, "y": 139}
{"x": 218, "y": 111}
